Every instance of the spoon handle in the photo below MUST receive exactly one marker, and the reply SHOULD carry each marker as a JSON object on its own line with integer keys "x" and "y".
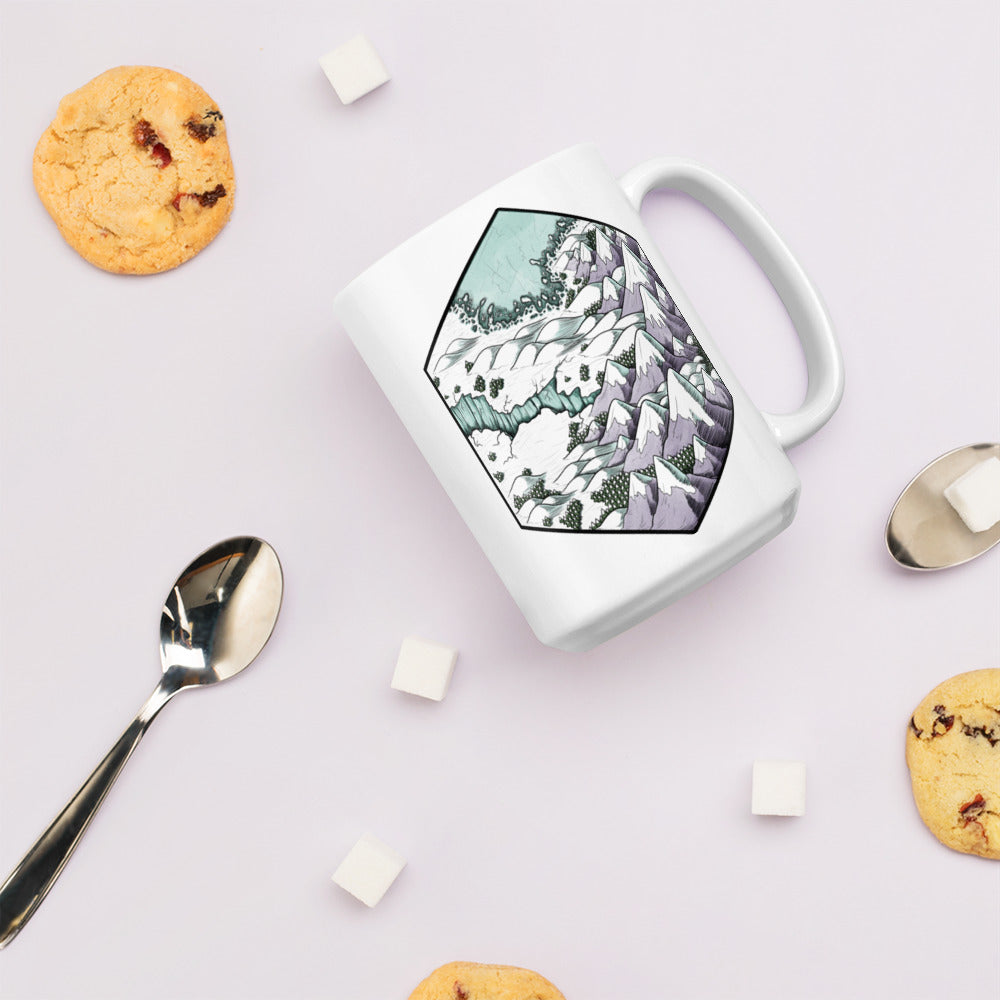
{"x": 31, "y": 880}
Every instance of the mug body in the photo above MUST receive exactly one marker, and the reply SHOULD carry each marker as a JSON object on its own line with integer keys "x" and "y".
{"x": 562, "y": 388}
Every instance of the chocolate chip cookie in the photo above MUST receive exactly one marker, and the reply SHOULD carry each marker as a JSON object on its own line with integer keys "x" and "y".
{"x": 953, "y": 752}
{"x": 472, "y": 981}
{"x": 135, "y": 170}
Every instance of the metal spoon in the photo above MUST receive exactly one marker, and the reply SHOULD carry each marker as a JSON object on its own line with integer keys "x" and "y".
{"x": 215, "y": 621}
{"x": 924, "y": 530}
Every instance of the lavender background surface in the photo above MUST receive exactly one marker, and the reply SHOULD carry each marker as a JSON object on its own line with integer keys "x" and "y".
{"x": 584, "y": 815}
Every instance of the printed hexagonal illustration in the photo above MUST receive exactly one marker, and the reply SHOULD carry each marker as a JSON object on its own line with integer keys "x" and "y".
{"x": 575, "y": 379}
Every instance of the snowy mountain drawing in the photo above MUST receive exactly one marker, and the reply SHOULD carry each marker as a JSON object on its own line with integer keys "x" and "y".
{"x": 581, "y": 388}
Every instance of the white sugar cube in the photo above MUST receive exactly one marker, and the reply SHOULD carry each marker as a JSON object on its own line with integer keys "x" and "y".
{"x": 424, "y": 668}
{"x": 369, "y": 869}
{"x": 354, "y": 69}
{"x": 779, "y": 788}
{"x": 976, "y": 495}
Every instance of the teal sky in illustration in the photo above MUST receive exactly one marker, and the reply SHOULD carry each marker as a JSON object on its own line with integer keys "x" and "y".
{"x": 501, "y": 270}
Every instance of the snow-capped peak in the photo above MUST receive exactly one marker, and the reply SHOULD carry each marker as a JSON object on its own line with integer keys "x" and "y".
{"x": 664, "y": 296}
{"x": 614, "y": 373}
{"x": 609, "y": 291}
{"x": 625, "y": 341}
{"x": 652, "y": 419}
{"x": 635, "y": 272}
{"x": 619, "y": 412}
{"x": 622, "y": 446}
{"x": 638, "y": 485}
{"x": 699, "y": 449}
{"x": 563, "y": 261}
{"x": 602, "y": 245}
{"x": 652, "y": 310}
{"x": 669, "y": 477}
{"x": 647, "y": 352}
{"x": 684, "y": 400}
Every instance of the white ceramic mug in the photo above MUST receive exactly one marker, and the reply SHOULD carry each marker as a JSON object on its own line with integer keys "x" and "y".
{"x": 570, "y": 401}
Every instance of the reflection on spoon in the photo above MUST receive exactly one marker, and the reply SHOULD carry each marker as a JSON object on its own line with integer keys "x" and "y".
{"x": 215, "y": 621}
{"x": 924, "y": 530}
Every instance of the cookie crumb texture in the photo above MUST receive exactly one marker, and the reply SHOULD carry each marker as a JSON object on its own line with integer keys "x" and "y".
{"x": 135, "y": 170}
{"x": 953, "y": 753}
{"x": 473, "y": 981}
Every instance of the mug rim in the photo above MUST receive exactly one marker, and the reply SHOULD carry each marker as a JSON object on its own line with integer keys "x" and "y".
{"x": 400, "y": 248}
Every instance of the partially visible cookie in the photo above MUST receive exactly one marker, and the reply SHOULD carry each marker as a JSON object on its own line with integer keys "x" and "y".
{"x": 472, "y": 981}
{"x": 135, "y": 170}
{"x": 953, "y": 752}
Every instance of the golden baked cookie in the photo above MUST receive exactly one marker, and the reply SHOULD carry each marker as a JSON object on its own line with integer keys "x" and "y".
{"x": 953, "y": 752}
{"x": 472, "y": 981}
{"x": 135, "y": 170}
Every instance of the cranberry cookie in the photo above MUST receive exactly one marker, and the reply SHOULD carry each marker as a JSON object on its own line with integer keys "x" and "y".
{"x": 135, "y": 170}
{"x": 472, "y": 981}
{"x": 953, "y": 752}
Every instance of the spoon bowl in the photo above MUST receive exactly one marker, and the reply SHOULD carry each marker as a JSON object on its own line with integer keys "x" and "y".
{"x": 221, "y": 611}
{"x": 924, "y": 532}
{"x": 216, "y": 619}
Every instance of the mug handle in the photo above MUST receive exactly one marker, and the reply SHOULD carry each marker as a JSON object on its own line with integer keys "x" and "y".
{"x": 824, "y": 365}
